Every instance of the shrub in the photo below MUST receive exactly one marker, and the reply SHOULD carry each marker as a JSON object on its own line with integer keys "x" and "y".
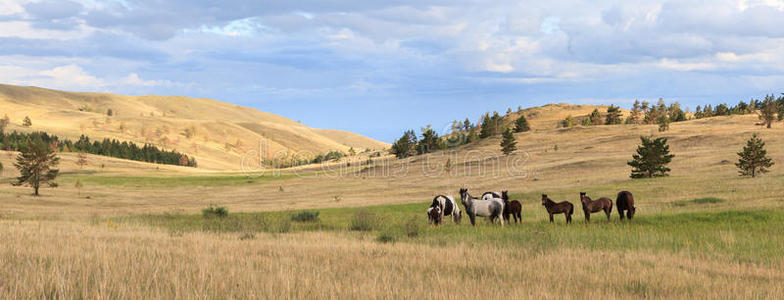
{"x": 364, "y": 220}
{"x": 247, "y": 235}
{"x": 215, "y": 211}
{"x": 305, "y": 216}
{"x": 386, "y": 238}
{"x": 413, "y": 227}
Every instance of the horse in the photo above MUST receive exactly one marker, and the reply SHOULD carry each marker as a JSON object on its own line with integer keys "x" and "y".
{"x": 625, "y": 201}
{"x": 491, "y": 196}
{"x": 553, "y": 208}
{"x": 513, "y": 208}
{"x": 448, "y": 207}
{"x": 592, "y": 206}
{"x": 434, "y": 216}
{"x": 474, "y": 207}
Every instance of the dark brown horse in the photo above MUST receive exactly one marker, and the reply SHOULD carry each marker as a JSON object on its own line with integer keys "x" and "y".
{"x": 513, "y": 208}
{"x": 592, "y": 206}
{"x": 625, "y": 202}
{"x": 553, "y": 208}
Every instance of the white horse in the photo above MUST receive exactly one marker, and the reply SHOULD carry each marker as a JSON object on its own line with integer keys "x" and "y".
{"x": 491, "y": 195}
{"x": 448, "y": 207}
{"x": 493, "y": 209}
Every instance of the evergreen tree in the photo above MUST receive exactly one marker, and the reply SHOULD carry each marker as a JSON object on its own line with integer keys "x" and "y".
{"x": 664, "y": 123}
{"x": 467, "y": 125}
{"x": 675, "y": 113}
{"x": 613, "y": 115}
{"x": 634, "y": 114}
{"x": 753, "y": 159}
{"x": 698, "y": 112}
{"x": 402, "y": 147}
{"x": 722, "y": 110}
{"x": 4, "y": 123}
{"x": 651, "y": 159}
{"x": 780, "y": 106}
{"x": 429, "y": 141}
{"x": 521, "y": 125}
{"x": 768, "y": 111}
{"x": 508, "y": 143}
{"x": 36, "y": 164}
{"x": 81, "y": 160}
{"x": 27, "y": 122}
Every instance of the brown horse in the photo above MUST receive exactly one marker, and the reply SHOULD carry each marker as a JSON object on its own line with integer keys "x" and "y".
{"x": 592, "y": 206}
{"x": 434, "y": 216}
{"x": 513, "y": 208}
{"x": 553, "y": 208}
{"x": 625, "y": 201}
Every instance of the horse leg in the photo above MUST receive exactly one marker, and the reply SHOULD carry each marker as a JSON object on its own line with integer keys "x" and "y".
{"x": 587, "y": 216}
{"x": 551, "y": 219}
{"x": 620, "y": 212}
{"x": 568, "y": 218}
{"x": 607, "y": 211}
{"x": 473, "y": 219}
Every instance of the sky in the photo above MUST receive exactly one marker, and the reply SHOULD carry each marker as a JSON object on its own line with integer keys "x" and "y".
{"x": 380, "y": 67}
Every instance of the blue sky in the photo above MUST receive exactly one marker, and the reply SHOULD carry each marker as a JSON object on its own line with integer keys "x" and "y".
{"x": 380, "y": 67}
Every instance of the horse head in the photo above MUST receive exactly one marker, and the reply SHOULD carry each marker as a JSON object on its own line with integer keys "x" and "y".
{"x": 544, "y": 199}
{"x": 583, "y": 198}
{"x": 505, "y": 195}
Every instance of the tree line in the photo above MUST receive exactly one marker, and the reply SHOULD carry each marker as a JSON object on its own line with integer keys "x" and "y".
{"x": 16, "y": 141}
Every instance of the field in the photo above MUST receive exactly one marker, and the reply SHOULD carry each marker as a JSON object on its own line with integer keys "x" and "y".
{"x": 137, "y": 231}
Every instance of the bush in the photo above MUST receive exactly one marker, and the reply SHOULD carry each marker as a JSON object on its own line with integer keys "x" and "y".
{"x": 305, "y": 216}
{"x": 386, "y": 238}
{"x": 364, "y": 220}
{"x": 215, "y": 211}
{"x": 413, "y": 227}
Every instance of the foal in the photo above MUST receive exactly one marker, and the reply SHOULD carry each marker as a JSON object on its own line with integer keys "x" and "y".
{"x": 434, "y": 215}
{"x": 513, "y": 208}
{"x": 592, "y": 206}
{"x": 625, "y": 201}
{"x": 553, "y": 208}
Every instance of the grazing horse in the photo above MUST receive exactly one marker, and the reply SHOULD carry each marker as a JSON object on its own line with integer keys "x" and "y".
{"x": 474, "y": 207}
{"x": 553, "y": 208}
{"x": 625, "y": 201}
{"x": 434, "y": 216}
{"x": 592, "y": 206}
{"x": 513, "y": 208}
{"x": 448, "y": 207}
{"x": 491, "y": 196}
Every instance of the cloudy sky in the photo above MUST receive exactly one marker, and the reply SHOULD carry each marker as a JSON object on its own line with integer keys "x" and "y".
{"x": 379, "y": 67}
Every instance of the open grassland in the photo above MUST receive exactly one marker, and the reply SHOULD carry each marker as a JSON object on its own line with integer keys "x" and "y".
{"x": 136, "y": 231}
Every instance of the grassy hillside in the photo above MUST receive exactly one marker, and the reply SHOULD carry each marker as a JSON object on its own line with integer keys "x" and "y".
{"x": 136, "y": 231}
{"x": 216, "y": 133}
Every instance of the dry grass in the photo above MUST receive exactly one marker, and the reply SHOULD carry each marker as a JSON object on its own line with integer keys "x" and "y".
{"x": 77, "y": 260}
{"x": 162, "y": 120}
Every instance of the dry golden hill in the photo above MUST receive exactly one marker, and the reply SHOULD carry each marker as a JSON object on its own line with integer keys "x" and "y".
{"x": 218, "y": 134}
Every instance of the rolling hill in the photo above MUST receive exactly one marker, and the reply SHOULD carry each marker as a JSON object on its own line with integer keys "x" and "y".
{"x": 216, "y": 133}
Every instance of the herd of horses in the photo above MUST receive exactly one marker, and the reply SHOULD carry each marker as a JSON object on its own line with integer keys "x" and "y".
{"x": 495, "y": 206}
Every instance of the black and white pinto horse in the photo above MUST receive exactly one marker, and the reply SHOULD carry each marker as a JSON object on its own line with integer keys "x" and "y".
{"x": 434, "y": 216}
{"x": 491, "y": 195}
{"x": 493, "y": 208}
{"x": 448, "y": 207}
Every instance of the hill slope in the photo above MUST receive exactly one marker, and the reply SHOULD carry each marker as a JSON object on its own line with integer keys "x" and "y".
{"x": 218, "y": 134}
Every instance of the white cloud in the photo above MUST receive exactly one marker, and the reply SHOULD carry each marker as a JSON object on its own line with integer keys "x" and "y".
{"x": 71, "y": 76}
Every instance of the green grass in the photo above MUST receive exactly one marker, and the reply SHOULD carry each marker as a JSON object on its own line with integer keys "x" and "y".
{"x": 753, "y": 236}
{"x": 708, "y": 200}
{"x": 173, "y": 181}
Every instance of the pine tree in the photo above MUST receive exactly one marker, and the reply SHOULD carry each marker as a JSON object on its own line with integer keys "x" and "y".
{"x": 753, "y": 159}
{"x": 508, "y": 143}
{"x": 664, "y": 123}
{"x": 4, "y": 123}
{"x": 27, "y": 122}
{"x": 651, "y": 159}
{"x": 81, "y": 160}
{"x": 613, "y": 115}
{"x": 36, "y": 164}
{"x": 402, "y": 147}
{"x": 429, "y": 141}
{"x": 768, "y": 112}
{"x": 634, "y": 114}
{"x": 675, "y": 113}
{"x": 521, "y": 125}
